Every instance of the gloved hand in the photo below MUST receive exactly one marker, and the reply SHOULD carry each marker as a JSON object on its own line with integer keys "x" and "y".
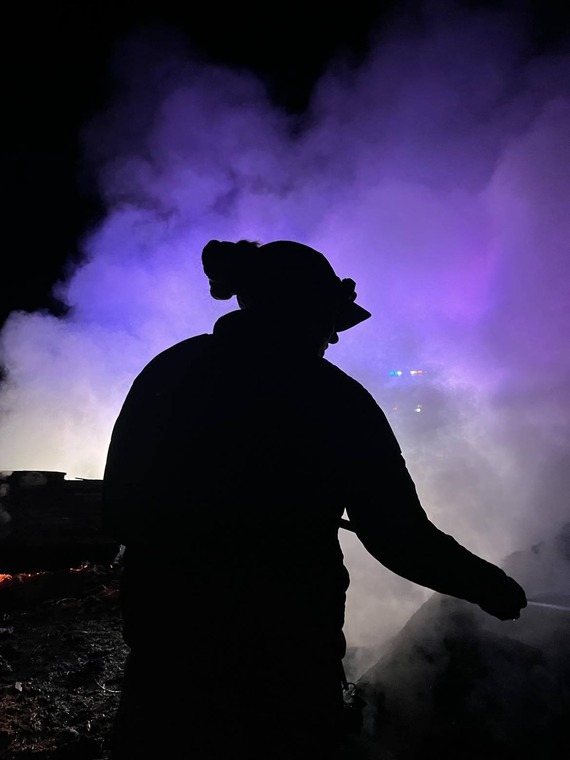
{"x": 504, "y": 599}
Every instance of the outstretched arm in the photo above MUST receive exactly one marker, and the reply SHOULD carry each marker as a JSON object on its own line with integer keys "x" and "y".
{"x": 386, "y": 514}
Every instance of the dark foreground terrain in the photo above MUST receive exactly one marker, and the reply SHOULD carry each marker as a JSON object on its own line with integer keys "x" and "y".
{"x": 61, "y": 659}
{"x": 453, "y": 683}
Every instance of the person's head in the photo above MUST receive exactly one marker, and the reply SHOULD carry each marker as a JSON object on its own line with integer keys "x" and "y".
{"x": 289, "y": 284}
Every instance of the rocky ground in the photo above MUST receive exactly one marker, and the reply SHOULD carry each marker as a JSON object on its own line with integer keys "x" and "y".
{"x": 61, "y": 658}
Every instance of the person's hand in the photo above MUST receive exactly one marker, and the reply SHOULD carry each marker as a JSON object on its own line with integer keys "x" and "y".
{"x": 505, "y": 600}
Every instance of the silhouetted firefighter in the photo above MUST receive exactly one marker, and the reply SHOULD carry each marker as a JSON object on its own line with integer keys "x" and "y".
{"x": 231, "y": 463}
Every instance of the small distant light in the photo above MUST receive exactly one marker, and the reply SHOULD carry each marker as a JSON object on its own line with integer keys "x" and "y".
{"x": 419, "y": 408}
{"x": 416, "y": 372}
{"x": 399, "y": 372}
{"x": 394, "y": 408}
{"x": 392, "y": 372}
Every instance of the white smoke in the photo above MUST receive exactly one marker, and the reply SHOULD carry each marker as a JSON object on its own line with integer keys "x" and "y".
{"x": 436, "y": 174}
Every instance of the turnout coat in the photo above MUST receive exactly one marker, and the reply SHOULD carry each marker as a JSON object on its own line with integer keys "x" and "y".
{"x": 230, "y": 465}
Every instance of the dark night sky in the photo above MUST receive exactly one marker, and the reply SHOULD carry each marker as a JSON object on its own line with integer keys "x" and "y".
{"x": 56, "y": 78}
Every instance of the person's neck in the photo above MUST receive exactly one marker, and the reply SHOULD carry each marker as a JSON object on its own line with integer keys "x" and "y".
{"x": 271, "y": 332}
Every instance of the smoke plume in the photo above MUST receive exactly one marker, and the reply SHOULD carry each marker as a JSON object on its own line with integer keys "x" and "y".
{"x": 436, "y": 174}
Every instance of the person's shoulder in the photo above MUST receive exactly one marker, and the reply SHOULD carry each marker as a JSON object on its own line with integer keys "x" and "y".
{"x": 187, "y": 347}
{"x": 358, "y": 414}
{"x": 177, "y": 356}
{"x": 335, "y": 375}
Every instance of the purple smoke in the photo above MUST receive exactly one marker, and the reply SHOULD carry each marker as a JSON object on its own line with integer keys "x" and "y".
{"x": 437, "y": 175}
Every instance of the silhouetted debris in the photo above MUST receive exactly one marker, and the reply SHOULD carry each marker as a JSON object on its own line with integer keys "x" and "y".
{"x": 456, "y": 682}
{"x": 28, "y": 589}
{"x": 50, "y": 523}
